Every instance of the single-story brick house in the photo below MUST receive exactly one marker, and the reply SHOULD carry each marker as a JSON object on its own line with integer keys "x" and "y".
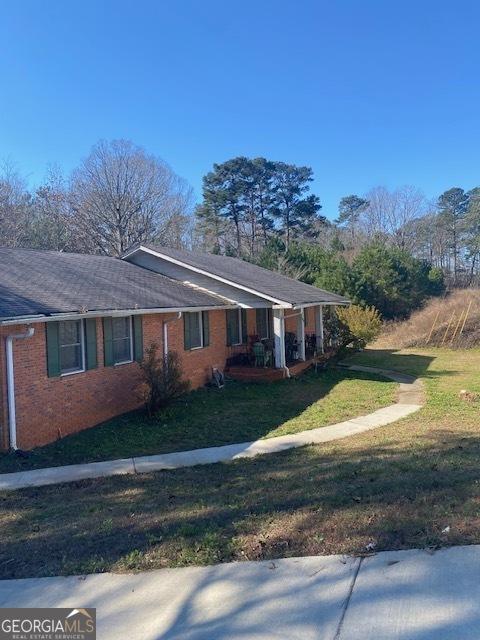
{"x": 74, "y": 326}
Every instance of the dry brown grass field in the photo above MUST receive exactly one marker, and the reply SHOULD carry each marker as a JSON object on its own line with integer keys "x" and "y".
{"x": 451, "y": 321}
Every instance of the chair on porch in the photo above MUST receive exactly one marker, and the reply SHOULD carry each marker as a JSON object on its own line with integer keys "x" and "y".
{"x": 310, "y": 345}
{"x": 291, "y": 346}
{"x": 261, "y": 355}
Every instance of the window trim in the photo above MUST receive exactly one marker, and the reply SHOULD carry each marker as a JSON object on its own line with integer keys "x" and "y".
{"x": 240, "y": 329}
{"x": 200, "y": 328}
{"x": 241, "y": 337}
{"x": 267, "y": 324}
{"x": 130, "y": 324}
{"x": 64, "y": 374}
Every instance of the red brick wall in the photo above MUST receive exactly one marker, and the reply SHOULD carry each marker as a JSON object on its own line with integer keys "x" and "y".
{"x": 251, "y": 322}
{"x": 291, "y": 318}
{"x": 3, "y": 392}
{"x": 291, "y": 321}
{"x": 310, "y": 319}
{"x": 49, "y": 408}
{"x": 198, "y": 363}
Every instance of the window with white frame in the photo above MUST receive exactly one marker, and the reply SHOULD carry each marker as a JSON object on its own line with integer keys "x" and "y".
{"x": 71, "y": 340}
{"x": 122, "y": 340}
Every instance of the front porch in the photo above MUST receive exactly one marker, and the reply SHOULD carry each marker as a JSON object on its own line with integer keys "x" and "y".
{"x": 295, "y": 340}
{"x": 269, "y": 374}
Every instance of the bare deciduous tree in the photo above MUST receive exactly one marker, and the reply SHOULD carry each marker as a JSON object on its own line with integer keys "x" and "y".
{"x": 391, "y": 213}
{"x": 15, "y": 207}
{"x": 120, "y": 195}
{"x": 52, "y": 224}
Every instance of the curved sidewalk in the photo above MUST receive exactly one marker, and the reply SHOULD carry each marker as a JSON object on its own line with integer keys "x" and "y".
{"x": 410, "y": 398}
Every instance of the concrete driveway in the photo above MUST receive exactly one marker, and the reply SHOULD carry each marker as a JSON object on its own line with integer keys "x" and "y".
{"x": 401, "y": 595}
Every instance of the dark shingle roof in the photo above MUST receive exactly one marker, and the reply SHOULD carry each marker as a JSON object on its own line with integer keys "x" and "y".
{"x": 249, "y": 275}
{"x": 46, "y": 282}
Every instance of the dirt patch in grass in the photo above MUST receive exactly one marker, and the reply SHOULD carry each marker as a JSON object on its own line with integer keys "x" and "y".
{"x": 396, "y": 487}
{"x": 208, "y": 417}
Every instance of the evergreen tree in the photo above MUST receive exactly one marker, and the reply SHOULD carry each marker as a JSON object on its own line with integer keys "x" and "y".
{"x": 453, "y": 205}
{"x": 350, "y": 210}
{"x": 295, "y": 210}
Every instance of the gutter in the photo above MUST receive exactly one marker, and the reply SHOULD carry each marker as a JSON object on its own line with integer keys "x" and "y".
{"x": 12, "y": 420}
{"x": 341, "y": 303}
{"x": 73, "y": 315}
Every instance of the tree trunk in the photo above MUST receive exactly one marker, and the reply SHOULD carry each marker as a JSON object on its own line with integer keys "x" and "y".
{"x": 239, "y": 240}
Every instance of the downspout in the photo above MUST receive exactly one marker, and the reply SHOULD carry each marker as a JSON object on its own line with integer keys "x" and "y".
{"x": 12, "y": 420}
{"x": 165, "y": 333}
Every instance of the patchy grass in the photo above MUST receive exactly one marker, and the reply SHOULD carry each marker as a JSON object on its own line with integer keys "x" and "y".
{"x": 240, "y": 412}
{"x": 398, "y": 487}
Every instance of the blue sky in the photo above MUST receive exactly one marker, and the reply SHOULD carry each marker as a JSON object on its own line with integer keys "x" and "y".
{"x": 366, "y": 92}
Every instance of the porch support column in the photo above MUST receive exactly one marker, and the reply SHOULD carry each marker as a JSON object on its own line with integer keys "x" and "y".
{"x": 279, "y": 333}
{"x": 319, "y": 328}
{"x": 301, "y": 334}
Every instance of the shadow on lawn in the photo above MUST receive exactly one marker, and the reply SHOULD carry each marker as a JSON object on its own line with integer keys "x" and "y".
{"x": 208, "y": 417}
{"x": 397, "y": 493}
{"x": 301, "y": 502}
{"x": 411, "y": 363}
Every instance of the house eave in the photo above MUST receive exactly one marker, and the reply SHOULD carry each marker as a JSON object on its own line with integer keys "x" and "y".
{"x": 329, "y": 303}
{"x": 74, "y": 315}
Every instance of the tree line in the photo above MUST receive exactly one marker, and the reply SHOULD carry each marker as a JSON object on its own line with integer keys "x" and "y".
{"x": 251, "y": 204}
{"x": 119, "y": 195}
{"x": 445, "y": 232}
{"x": 388, "y": 248}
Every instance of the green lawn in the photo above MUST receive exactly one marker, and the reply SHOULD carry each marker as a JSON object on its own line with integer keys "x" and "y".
{"x": 398, "y": 487}
{"x": 240, "y": 412}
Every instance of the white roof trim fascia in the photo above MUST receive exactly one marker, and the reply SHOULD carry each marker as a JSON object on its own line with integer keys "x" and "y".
{"x": 283, "y": 304}
{"x": 343, "y": 303}
{"x": 74, "y": 315}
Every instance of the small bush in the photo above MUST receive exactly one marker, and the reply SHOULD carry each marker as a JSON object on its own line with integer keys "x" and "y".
{"x": 336, "y": 334}
{"x": 363, "y": 323}
{"x": 162, "y": 379}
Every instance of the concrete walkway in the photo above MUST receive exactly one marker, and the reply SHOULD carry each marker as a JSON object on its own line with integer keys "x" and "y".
{"x": 395, "y": 595}
{"x": 409, "y": 399}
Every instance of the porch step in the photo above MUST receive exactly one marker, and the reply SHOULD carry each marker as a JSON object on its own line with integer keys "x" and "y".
{"x": 259, "y": 374}
{"x": 255, "y": 374}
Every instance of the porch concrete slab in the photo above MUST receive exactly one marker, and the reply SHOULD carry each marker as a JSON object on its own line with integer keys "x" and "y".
{"x": 294, "y": 598}
{"x": 416, "y": 595}
{"x": 70, "y": 473}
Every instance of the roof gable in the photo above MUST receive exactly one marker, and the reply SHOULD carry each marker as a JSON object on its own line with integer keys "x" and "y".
{"x": 270, "y": 285}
